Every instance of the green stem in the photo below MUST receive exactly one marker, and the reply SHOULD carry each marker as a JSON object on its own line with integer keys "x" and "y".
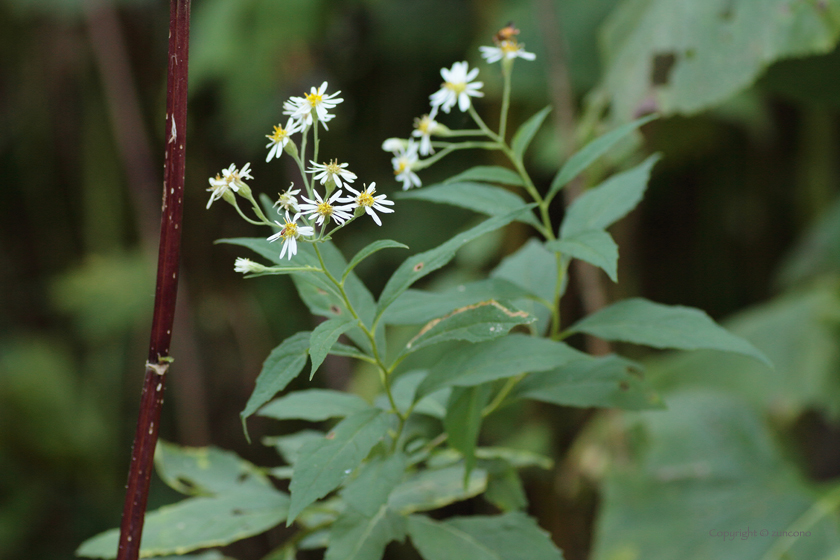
{"x": 465, "y": 132}
{"x": 501, "y": 395}
{"x": 453, "y": 147}
{"x": 315, "y": 141}
{"x": 265, "y": 222}
{"x": 505, "y": 101}
{"x": 558, "y": 292}
{"x": 484, "y": 128}
{"x": 822, "y": 508}
{"x": 302, "y": 158}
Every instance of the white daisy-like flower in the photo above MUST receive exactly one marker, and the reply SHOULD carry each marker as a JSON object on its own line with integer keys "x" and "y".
{"x": 506, "y": 50}
{"x": 325, "y": 209}
{"x": 404, "y": 162}
{"x": 279, "y": 138}
{"x": 290, "y": 232}
{"x": 458, "y": 86}
{"x": 366, "y": 200}
{"x": 424, "y": 128}
{"x": 287, "y": 199}
{"x": 247, "y": 266}
{"x": 332, "y": 170}
{"x": 231, "y": 179}
{"x": 394, "y": 145}
{"x": 317, "y": 100}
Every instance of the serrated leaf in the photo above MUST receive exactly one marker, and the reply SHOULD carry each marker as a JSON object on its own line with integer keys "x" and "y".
{"x": 324, "y": 464}
{"x": 595, "y": 247}
{"x": 493, "y": 201}
{"x": 641, "y": 321}
{"x": 283, "y": 364}
{"x": 488, "y": 174}
{"x": 314, "y": 405}
{"x": 605, "y": 381}
{"x": 205, "y": 470}
{"x": 415, "y": 307}
{"x": 325, "y": 335}
{"x": 601, "y": 206}
{"x": 526, "y": 132}
{"x": 496, "y": 359}
{"x": 420, "y": 265}
{"x": 463, "y": 421}
{"x": 369, "y": 491}
{"x": 354, "y": 536}
{"x": 510, "y": 536}
{"x": 591, "y": 152}
{"x": 368, "y": 251}
{"x": 434, "y": 489}
{"x": 201, "y": 522}
{"x": 473, "y": 323}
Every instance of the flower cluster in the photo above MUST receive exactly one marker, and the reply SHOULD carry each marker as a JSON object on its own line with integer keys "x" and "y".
{"x": 308, "y": 215}
{"x": 459, "y": 87}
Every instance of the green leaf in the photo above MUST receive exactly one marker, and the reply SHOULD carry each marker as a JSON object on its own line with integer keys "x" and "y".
{"x": 271, "y": 251}
{"x": 205, "y": 470}
{"x": 641, "y": 321}
{"x": 505, "y": 490}
{"x": 201, "y": 522}
{"x": 283, "y": 364}
{"x": 605, "y": 381}
{"x": 415, "y": 307}
{"x": 510, "y": 536}
{"x": 368, "y": 251}
{"x": 324, "y": 464}
{"x": 434, "y": 489}
{"x": 354, "y": 536}
{"x": 339, "y": 349}
{"x": 710, "y": 50}
{"x": 473, "y": 323}
{"x": 289, "y": 446}
{"x": 526, "y": 132}
{"x": 377, "y": 478}
{"x": 422, "y": 264}
{"x": 463, "y": 421}
{"x": 517, "y": 458}
{"x": 488, "y": 174}
{"x": 325, "y": 335}
{"x": 592, "y": 151}
{"x": 595, "y": 247}
{"x": 496, "y": 359}
{"x": 314, "y": 405}
{"x": 493, "y": 201}
{"x": 601, "y": 206}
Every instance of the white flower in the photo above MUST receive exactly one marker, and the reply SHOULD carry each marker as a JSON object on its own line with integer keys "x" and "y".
{"x": 424, "y": 128}
{"x": 247, "y": 266}
{"x": 325, "y": 210}
{"x": 287, "y": 199}
{"x": 300, "y": 108}
{"x": 231, "y": 179}
{"x": 332, "y": 170}
{"x": 394, "y": 145}
{"x": 279, "y": 138}
{"x": 457, "y": 87}
{"x": 290, "y": 232}
{"x": 404, "y": 162}
{"x": 366, "y": 200}
{"x": 507, "y": 49}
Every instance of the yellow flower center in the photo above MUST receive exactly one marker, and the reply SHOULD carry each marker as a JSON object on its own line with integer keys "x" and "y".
{"x": 366, "y": 198}
{"x": 401, "y": 166}
{"x": 313, "y": 98}
{"x": 509, "y": 47}
{"x": 289, "y": 230}
{"x": 457, "y": 88}
{"x": 325, "y": 208}
{"x": 279, "y": 134}
{"x": 423, "y": 124}
{"x": 333, "y": 167}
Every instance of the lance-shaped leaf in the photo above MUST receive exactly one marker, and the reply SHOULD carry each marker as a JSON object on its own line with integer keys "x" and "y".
{"x": 368, "y": 251}
{"x": 641, "y": 321}
{"x": 496, "y": 359}
{"x": 415, "y": 307}
{"x": 602, "y": 206}
{"x": 486, "y": 199}
{"x": 325, "y": 335}
{"x": 205, "y": 470}
{"x": 510, "y": 536}
{"x": 463, "y": 421}
{"x": 592, "y": 151}
{"x": 474, "y": 323}
{"x": 488, "y": 174}
{"x": 370, "y": 490}
{"x": 594, "y": 246}
{"x": 434, "y": 489}
{"x": 606, "y": 381}
{"x": 324, "y": 464}
{"x": 283, "y": 364}
{"x": 522, "y": 138}
{"x": 420, "y": 265}
{"x": 314, "y": 405}
{"x": 354, "y": 536}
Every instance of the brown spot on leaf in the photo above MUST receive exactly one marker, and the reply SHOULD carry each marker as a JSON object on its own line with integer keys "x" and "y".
{"x": 418, "y": 267}
{"x": 624, "y": 386}
{"x": 330, "y": 435}
{"x": 335, "y": 309}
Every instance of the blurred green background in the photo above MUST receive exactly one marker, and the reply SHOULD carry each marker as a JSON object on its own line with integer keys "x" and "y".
{"x": 741, "y": 219}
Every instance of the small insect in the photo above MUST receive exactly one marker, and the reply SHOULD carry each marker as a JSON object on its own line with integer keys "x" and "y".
{"x": 506, "y": 33}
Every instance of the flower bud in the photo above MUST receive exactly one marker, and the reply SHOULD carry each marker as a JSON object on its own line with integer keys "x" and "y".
{"x": 291, "y": 149}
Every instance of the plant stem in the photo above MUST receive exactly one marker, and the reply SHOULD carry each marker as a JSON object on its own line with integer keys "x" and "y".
{"x": 157, "y": 364}
{"x": 506, "y": 72}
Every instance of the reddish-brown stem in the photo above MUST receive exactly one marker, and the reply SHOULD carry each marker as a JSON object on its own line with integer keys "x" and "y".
{"x": 151, "y": 401}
